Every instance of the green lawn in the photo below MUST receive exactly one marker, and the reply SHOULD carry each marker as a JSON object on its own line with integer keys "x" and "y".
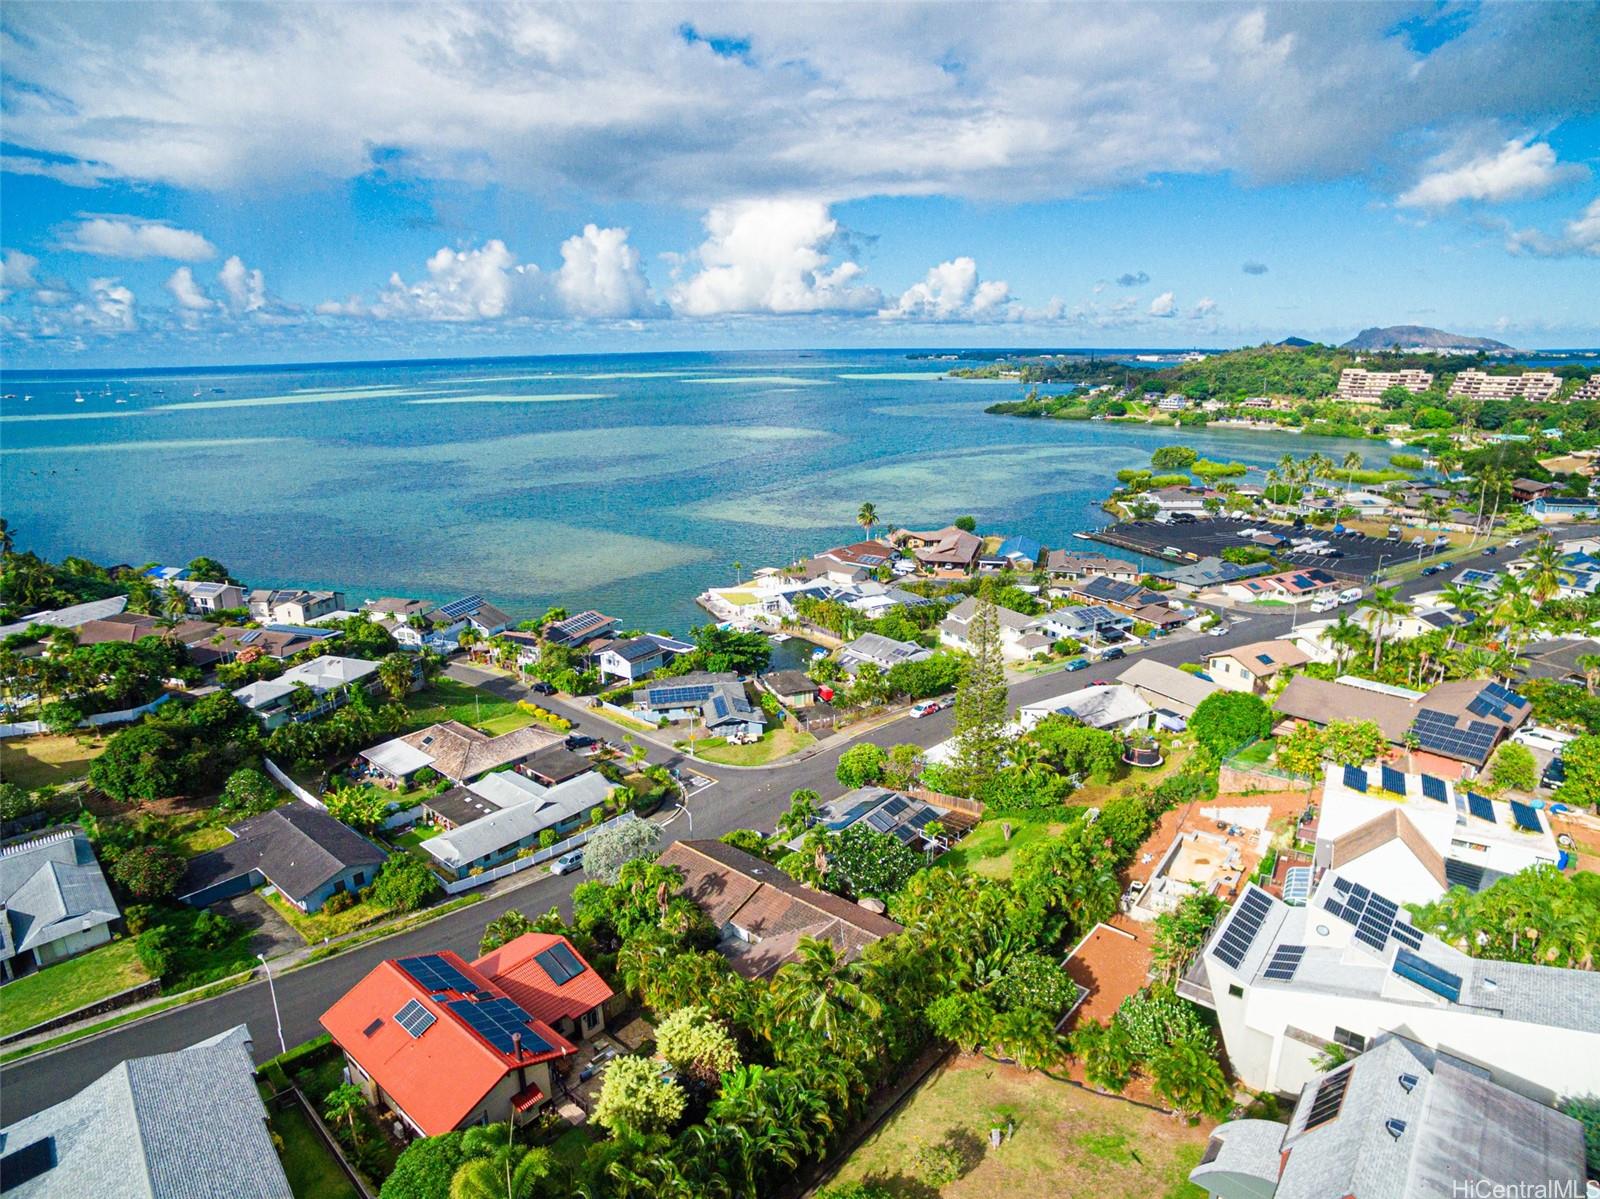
{"x": 314, "y": 1173}
{"x": 986, "y": 851}
{"x": 774, "y": 744}
{"x": 48, "y": 759}
{"x": 319, "y": 926}
{"x": 203, "y": 838}
{"x": 416, "y": 835}
{"x": 1258, "y": 754}
{"x": 1066, "y": 1141}
{"x": 66, "y": 986}
{"x": 446, "y": 699}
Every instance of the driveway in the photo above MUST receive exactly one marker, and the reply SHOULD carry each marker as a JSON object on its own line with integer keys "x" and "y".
{"x": 270, "y": 933}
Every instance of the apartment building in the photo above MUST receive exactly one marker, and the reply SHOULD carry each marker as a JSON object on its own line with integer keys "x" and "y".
{"x": 1287, "y": 982}
{"x": 1360, "y": 386}
{"x": 1529, "y": 385}
{"x": 1590, "y": 389}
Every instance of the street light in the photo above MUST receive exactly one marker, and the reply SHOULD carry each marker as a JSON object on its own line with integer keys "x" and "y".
{"x": 273, "y": 991}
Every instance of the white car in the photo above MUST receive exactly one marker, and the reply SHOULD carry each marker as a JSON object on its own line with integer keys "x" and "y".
{"x": 1513, "y": 543}
{"x": 1218, "y": 630}
{"x": 568, "y": 862}
{"x": 926, "y": 708}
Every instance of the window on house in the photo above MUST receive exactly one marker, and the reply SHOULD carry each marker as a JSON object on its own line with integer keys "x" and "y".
{"x": 1350, "y": 1040}
{"x": 591, "y": 1018}
{"x": 338, "y": 886}
{"x": 1236, "y": 990}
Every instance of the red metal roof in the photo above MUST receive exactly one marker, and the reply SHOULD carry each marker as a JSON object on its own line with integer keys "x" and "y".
{"x": 515, "y": 968}
{"x": 438, "y": 1078}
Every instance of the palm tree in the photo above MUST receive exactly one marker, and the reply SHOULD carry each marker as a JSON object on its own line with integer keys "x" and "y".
{"x": 1352, "y": 463}
{"x": 1346, "y": 636}
{"x": 395, "y": 673}
{"x": 7, "y": 541}
{"x": 1544, "y": 579}
{"x": 344, "y": 1103}
{"x": 497, "y": 1166}
{"x": 1026, "y": 1036}
{"x": 1188, "y": 1076}
{"x": 738, "y": 571}
{"x": 819, "y": 990}
{"x": 1590, "y": 665}
{"x": 867, "y": 518}
{"x": 1385, "y": 605}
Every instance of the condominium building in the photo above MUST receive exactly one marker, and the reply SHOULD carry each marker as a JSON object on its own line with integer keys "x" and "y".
{"x": 1529, "y": 385}
{"x": 1589, "y": 391}
{"x": 1286, "y": 982}
{"x": 1359, "y": 386}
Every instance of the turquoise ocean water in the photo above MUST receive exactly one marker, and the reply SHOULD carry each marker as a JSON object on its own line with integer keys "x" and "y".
{"x": 625, "y": 482}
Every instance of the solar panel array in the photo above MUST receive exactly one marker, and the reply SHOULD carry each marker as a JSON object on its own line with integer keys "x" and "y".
{"x": 465, "y": 606}
{"x": 1408, "y": 935}
{"x": 1242, "y": 929}
{"x": 1434, "y": 788}
{"x": 1329, "y": 1098}
{"x": 1415, "y": 968}
{"x": 1504, "y": 696}
{"x": 1480, "y": 807}
{"x": 1526, "y": 817}
{"x": 1463, "y": 874}
{"x": 560, "y": 963}
{"x": 674, "y": 696}
{"x": 1297, "y": 885}
{"x": 1355, "y": 778}
{"x": 583, "y": 622}
{"x": 1374, "y": 916}
{"x": 414, "y": 1018}
{"x": 1438, "y": 731}
{"x": 1285, "y": 961}
{"x": 497, "y": 1021}
{"x": 434, "y": 973}
{"x": 1394, "y": 781}
{"x": 851, "y": 814}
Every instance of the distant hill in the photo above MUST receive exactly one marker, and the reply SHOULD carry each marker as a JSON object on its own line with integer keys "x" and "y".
{"x": 1296, "y": 343}
{"x": 1420, "y": 337}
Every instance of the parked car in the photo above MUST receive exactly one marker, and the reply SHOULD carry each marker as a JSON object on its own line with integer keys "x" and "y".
{"x": 1490, "y": 551}
{"x": 1078, "y": 664}
{"x": 541, "y": 688}
{"x": 1431, "y": 570}
{"x": 580, "y": 741}
{"x": 1513, "y": 543}
{"x": 1112, "y": 654}
{"x": 568, "y": 862}
{"x": 1445, "y": 565}
{"x": 1099, "y": 682}
{"x": 1325, "y": 603}
{"x": 1220, "y": 629}
{"x": 926, "y": 708}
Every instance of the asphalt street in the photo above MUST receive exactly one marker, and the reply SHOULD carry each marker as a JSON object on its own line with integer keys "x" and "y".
{"x": 751, "y": 797}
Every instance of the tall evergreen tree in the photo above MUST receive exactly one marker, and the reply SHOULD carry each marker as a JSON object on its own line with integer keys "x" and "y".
{"x": 981, "y": 703}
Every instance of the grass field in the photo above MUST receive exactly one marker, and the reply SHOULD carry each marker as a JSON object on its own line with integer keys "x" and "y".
{"x": 203, "y": 838}
{"x": 446, "y": 699}
{"x": 319, "y": 926}
{"x": 986, "y": 851}
{"x": 416, "y": 835}
{"x": 312, "y": 1169}
{"x": 66, "y": 986}
{"x": 774, "y": 744}
{"x": 47, "y": 759}
{"x": 1067, "y": 1142}
{"x": 1258, "y": 754}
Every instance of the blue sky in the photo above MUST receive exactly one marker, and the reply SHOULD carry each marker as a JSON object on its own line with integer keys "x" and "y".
{"x": 191, "y": 183}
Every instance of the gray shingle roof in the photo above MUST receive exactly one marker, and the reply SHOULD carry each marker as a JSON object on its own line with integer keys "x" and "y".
{"x": 184, "y": 1125}
{"x": 507, "y": 826}
{"x": 297, "y": 847}
{"x": 50, "y": 887}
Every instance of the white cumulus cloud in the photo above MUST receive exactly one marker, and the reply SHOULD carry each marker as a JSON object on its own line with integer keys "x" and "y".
{"x": 110, "y": 307}
{"x": 1517, "y": 170}
{"x": 17, "y": 273}
{"x": 135, "y": 237}
{"x": 1202, "y": 309}
{"x": 486, "y": 283}
{"x": 600, "y": 275}
{"x": 772, "y": 256}
{"x": 952, "y": 291}
{"x": 246, "y": 288}
{"x": 186, "y": 293}
{"x": 1164, "y": 305}
{"x": 1579, "y": 237}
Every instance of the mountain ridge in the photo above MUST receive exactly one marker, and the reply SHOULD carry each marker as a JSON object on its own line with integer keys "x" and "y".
{"x": 1419, "y": 337}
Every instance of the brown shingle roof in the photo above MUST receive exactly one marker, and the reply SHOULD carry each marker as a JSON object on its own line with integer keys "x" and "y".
{"x": 1322, "y": 702}
{"x": 462, "y": 753}
{"x": 1380, "y": 830}
{"x": 1279, "y": 655}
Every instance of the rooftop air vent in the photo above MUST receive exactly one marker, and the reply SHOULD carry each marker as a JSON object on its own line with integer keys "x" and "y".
{"x": 1408, "y": 1082}
{"x": 1394, "y": 1128}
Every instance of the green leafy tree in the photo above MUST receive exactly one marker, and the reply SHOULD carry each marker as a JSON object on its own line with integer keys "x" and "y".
{"x": 148, "y": 871}
{"x": 1227, "y": 721}
{"x": 981, "y": 705}
{"x": 863, "y": 861}
{"x": 963, "y": 1018}
{"x": 248, "y": 791}
{"x": 1585, "y": 1109}
{"x": 1180, "y": 934}
{"x": 1189, "y": 1078}
{"x": 608, "y": 852}
{"x": 1581, "y": 789}
{"x": 405, "y": 883}
{"x": 803, "y": 807}
{"x": 1173, "y": 457}
{"x": 344, "y": 1105}
{"x": 1352, "y": 742}
{"x": 364, "y": 808}
{"x": 903, "y": 766}
{"x": 1513, "y": 768}
{"x": 396, "y": 672}
{"x": 1300, "y": 751}
{"x": 697, "y": 1045}
{"x": 967, "y": 524}
{"x": 209, "y": 570}
{"x": 425, "y": 1168}
{"x": 861, "y": 765}
{"x": 634, "y": 1096}
{"x": 504, "y": 928}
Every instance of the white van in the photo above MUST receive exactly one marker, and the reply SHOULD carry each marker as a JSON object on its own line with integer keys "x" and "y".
{"x": 1325, "y": 603}
{"x": 1350, "y": 595}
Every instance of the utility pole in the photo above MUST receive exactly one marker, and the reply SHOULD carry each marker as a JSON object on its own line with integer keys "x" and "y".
{"x": 273, "y": 991}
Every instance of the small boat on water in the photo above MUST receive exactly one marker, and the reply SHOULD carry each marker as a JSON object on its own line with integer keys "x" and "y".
{"x": 120, "y": 400}
{"x": 77, "y": 397}
{"x": 818, "y": 654}
{"x": 779, "y": 638}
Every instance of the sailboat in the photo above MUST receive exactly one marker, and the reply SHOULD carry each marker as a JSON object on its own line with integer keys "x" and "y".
{"x": 77, "y": 397}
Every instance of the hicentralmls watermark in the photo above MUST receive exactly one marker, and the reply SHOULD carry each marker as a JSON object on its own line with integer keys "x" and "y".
{"x": 1483, "y": 1188}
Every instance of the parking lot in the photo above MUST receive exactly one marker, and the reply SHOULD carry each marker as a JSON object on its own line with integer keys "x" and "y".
{"x": 1359, "y": 556}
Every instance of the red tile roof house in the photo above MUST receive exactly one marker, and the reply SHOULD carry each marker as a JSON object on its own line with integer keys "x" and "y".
{"x": 447, "y": 1044}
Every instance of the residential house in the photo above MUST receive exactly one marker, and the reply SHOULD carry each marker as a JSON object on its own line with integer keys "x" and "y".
{"x": 1090, "y": 622}
{"x": 762, "y": 913}
{"x": 873, "y": 599}
{"x": 1172, "y": 402}
{"x": 1558, "y": 658}
{"x": 1020, "y": 636}
{"x": 54, "y": 901}
{"x": 634, "y": 657}
{"x": 553, "y": 766}
{"x": 862, "y": 555}
{"x": 211, "y": 597}
{"x": 183, "y": 1125}
{"x": 443, "y": 1045}
{"x": 69, "y": 617}
{"x": 1548, "y": 509}
{"x": 1210, "y": 572}
{"x": 948, "y": 547}
{"x": 1454, "y": 725}
{"x": 1166, "y": 688}
{"x": 1349, "y": 966}
{"x": 904, "y": 817}
{"x": 279, "y": 642}
{"x": 1525, "y": 491}
{"x": 291, "y": 606}
{"x": 418, "y": 624}
{"x": 829, "y": 570}
{"x": 792, "y": 688}
{"x": 1022, "y": 554}
{"x": 305, "y": 854}
{"x": 1176, "y": 499}
{"x": 129, "y": 627}
{"x": 1115, "y": 593}
{"x": 581, "y": 628}
{"x": 1414, "y": 836}
{"x": 457, "y": 751}
{"x": 1065, "y": 565}
{"x": 1401, "y": 1121}
{"x": 1253, "y": 667}
{"x": 1163, "y": 616}
{"x": 329, "y": 680}
{"x": 883, "y": 652}
{"x": 679, "y": 698}
{"x": 550, "y": 980}
{"x": 728, "y": 712}
{"x": 1111, "y": 707}
{"x": 1291, "y": 586}
{"x": 482, "y": 840}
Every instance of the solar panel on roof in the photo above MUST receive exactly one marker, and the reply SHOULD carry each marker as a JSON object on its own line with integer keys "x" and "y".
{"x": 922, "y": 817}
{"x": 896, "y": 805}
{"x": 1430, "y": 977}
{"x": 1342, "y": 885}
{"x": 1355, "y": 778}
{"x": 1393, "y": 780}
{"x": 1329, "y": 1098}
{"x": 1242, "y": 928}
{"x": 1463, "y": 874}
{"x": 1377, "y": 921}
{"x": 1407, "y": 935}
{"x": 414, "y": 1018}
{"x": 1506, "y": 696}
{"x": 497, "y": 1021}
{"x": 903, "y": 833}
{"x": 464, "y": 606}
{"x": 880, "y": 822}
{"x": 560, "y": 963}
{"x": 434, "y": 973}
{"x": 1480, "y": 807}
{"x": 1285, "y": 961}
{"x": 1526, "y": 817}
{"x": 1434, "y": 788}
{"x": 853, "y": 814}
